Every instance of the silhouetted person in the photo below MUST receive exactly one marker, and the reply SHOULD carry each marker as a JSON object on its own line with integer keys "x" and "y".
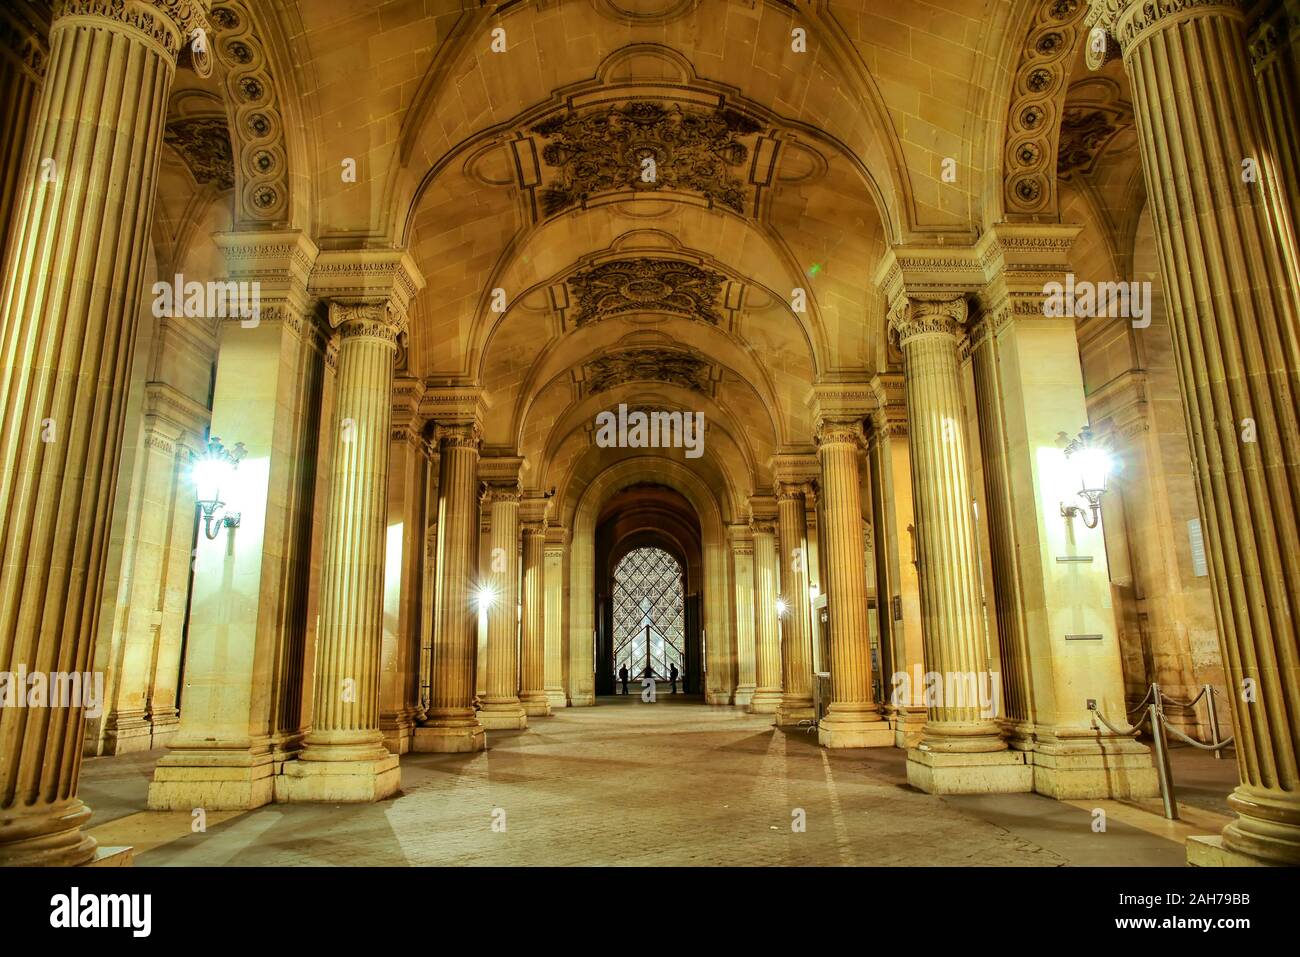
{"x": 672, "y": 676}
{"x": 622, "y": 676}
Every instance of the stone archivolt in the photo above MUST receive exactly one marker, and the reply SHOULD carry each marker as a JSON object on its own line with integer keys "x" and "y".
{"x": 646, "y": 285}
{"x": 653, "y": 365}
{"x": 602, "y": 151}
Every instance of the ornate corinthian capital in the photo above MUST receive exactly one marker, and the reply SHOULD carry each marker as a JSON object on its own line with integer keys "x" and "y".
{"x": 1126, "y": 20}
{"x": 842, "y": 430}
{"x": 168, "y": 23}
{"x": 375, "y": 319}
{"x": 921, "y": 317}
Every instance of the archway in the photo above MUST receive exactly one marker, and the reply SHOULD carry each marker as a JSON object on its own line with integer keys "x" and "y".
{"x": 648, "y": 552}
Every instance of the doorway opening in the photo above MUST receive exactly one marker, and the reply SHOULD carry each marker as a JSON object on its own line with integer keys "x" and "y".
{"x": 648, "y": 592}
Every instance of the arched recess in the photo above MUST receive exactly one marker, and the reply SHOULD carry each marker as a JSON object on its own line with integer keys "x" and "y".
{"x": 642, "y": 516}
{"x": 719, "y": 634}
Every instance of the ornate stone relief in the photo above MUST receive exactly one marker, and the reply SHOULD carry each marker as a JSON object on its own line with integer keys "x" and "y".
{"x": 601, "y": 151}
{"x": 203, "y": 142}
{"x": 655, "y": 365}
{"x": 258, "y": 126}
{"x": 1095, "y": 115}
{"x": 1035, "y": 103}
{"x": 646, "y": 285}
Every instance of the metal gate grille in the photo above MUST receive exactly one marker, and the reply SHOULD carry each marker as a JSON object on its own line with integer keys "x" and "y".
{"x": 649, "y": 614}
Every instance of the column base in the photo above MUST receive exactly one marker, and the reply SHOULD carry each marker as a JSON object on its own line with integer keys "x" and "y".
{"x": 1118, "y": 768}
{"x": 345, "y": 782}
{"x": 557, "y": 698}
{"x": 397, "y": 731}
{"x": 848, "y": 732}
{"x": 743, "y": 696}
{"x": 1210, "y": 851}
{"x": 432, "y": 739}
{"x": 788, "y": 715}
{"x": 907, "y": 726}
{"x": 510, "y": 717}
{"x": 164, "y": 730}
{"x": 536, "y": 704}
{"x": 710, "y": 697}
{"x": 213, "y": 779}
{"x": 764, "y": 702}
{"x": 979, "y": 772}
{"x": 127, "y": 734}
{"x": 582, "y": 699}
{"x": 46, "y": 835}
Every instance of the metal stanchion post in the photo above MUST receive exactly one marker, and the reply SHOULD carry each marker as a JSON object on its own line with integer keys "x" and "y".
{"x": 1162, "y": 761}
{"x": 1214, "y": 721}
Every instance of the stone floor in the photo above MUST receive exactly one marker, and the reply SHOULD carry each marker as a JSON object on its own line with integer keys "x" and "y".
{"x": 671, "y": 783}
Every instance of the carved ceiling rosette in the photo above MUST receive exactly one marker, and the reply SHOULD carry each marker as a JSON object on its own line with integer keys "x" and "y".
{"x": 602, "y": 151}
{"x": 646, "y": 285}
{"x": 647, "y": 365}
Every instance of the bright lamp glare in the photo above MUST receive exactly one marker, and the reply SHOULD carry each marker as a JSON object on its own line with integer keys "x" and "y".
{"x": 485, "y": 598}
{"x": 1094, "y": 467}
{"x": 781, "y": 607}
{"x": 210, "y": 475}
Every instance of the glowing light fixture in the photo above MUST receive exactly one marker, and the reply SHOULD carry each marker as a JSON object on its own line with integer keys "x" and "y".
{"x": 782, "y": 608}
{"x": 1091, "y": 456}
{"x": 214, "y": 471}
{"x": 484, "y": 598}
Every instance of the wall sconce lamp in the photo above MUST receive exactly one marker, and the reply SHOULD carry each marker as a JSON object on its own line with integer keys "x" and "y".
{"x": 1092, "y": 457}
{"x": 782, "y": 608}
{"x": 213, "y": 470}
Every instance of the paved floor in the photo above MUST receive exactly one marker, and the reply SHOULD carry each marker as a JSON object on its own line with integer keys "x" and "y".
{"x": 671, "y": 783}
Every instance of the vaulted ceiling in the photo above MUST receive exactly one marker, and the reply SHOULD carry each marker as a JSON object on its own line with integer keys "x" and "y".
{"x": 668, "y": 203}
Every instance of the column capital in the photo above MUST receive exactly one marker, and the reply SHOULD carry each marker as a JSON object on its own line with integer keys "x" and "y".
{"x": 556, "y": 538}
{"x": 502, "y": 492}
{"x": 839, "y": 430}
{"x": 1129, "y": 20}
{"x": 533, "y": 508}
{"x": 408, "y": 423}
{"x": 166, "y": 24}
{"x": 741, "y": 537}
{"x": 366, "y": 318}
{"x": 789, "y": 491}
{"x": 922, "y": 316}
{"x": 457, "y": 435}
{"x": 763, "y": 526}
{"x": 794, "y": 467}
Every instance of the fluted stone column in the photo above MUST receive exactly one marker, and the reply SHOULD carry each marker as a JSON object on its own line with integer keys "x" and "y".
{"x": 897, "y": 584}
{"x": 403, "y": 586}
{"x": 555, "y": 618}
{"x": 961, "y": 749}
{"x": 501, "y": 706}
{"x": 1232, "y": 303}
{"x": 853, "y": 719}
{"x": 742, "y": 566}
{"x": 767, "y": 641}
{"x": 67, "y": 321}
{"x": 532, "y": 670}
{"x": 796, "y": 625}
{"x": 344, "y": 758}
{"x": 450, "y": 724}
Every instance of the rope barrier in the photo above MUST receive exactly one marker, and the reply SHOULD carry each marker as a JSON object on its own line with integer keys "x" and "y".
{"x": 1143, "y": 703}
{"x": 1194, "y": 743}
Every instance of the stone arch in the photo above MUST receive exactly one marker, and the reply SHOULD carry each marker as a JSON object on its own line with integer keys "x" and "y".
{"x": 269, "y": 155}
{"x": 718, "y": 630}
